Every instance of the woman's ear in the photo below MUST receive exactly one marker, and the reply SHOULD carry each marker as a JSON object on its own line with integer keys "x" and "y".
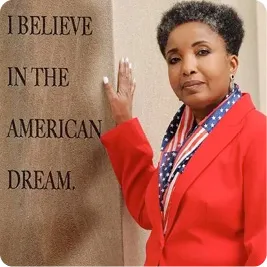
{"x": 234, "y": 62}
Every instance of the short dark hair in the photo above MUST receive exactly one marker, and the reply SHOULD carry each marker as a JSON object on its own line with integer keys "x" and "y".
{"x": 222, "y": 19}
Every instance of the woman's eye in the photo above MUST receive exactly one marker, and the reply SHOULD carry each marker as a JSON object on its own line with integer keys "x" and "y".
{"x": 203, "y": 52}
{"x": 174, "y": 60}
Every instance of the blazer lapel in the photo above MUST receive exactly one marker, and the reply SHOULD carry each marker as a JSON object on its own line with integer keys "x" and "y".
{"x": 219, "y": 138}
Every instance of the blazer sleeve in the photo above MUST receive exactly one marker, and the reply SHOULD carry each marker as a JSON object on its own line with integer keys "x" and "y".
{"x": 254, "y": 171}
{"x": 131, "y": 157}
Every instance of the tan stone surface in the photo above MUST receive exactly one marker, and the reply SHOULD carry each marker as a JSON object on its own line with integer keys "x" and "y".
{"x": 59, "y": 227}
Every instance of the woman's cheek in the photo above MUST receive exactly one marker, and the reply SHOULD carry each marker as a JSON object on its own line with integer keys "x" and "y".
{"x": 174, "y": 79}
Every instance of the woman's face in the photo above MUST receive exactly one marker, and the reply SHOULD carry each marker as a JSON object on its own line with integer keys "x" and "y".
{"x": 198, "y": 65}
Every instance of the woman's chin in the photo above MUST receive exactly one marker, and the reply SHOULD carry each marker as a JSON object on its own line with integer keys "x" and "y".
{"x": 196, "y": 101}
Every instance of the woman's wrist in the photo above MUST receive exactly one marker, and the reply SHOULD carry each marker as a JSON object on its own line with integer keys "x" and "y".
{"x": 123, "y": 119}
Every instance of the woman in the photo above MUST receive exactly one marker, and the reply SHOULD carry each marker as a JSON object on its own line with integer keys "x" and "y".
{"x": 206, "y": 201}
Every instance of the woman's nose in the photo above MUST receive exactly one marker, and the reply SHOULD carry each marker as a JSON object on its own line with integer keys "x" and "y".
{"x": 188, "y": 66}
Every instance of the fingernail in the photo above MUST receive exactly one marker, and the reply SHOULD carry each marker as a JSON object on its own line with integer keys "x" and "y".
{"x": 122, "y": 60}
{"x": 134, "y": 81}
{"x": 105, "y": 80}
{"x": 130, "y": 65}
{"x": 127, "y": 60}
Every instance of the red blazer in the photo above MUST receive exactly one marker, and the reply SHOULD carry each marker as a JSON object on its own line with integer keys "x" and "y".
{"x": 218, "y": 207}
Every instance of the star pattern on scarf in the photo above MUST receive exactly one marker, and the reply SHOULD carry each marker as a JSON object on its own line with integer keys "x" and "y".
{"x": 172, "y": 128}
{"x": 219, "y": 113}
{"x": 166, "y": 168}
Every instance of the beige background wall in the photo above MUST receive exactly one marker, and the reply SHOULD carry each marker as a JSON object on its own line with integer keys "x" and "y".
{"x": 262, "y": 55}
{"x": 135, "y": 36}
{"x": 135, "y": 25}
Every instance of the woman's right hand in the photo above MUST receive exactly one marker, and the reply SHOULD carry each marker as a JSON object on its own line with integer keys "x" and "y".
{"x": 121, "y": 101}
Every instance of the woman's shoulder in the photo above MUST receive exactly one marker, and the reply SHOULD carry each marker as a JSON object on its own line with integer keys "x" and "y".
{"x": 254, "y": 127}
{"x": 255, "y": 120}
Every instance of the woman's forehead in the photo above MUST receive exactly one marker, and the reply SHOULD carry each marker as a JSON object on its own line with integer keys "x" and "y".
{"x": 188, "y": 34}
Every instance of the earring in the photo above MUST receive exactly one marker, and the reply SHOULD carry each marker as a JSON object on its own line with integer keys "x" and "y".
{"x": 232, "y": 82}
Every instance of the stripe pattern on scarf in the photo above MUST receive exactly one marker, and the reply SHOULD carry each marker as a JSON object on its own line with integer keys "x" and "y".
{"x": 182, "y": 139}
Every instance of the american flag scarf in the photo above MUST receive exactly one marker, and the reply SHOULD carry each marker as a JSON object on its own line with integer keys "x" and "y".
{"x": 182, "y": 139}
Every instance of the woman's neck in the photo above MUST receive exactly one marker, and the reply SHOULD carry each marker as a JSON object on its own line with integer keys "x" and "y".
{"x": 200, "y": 114}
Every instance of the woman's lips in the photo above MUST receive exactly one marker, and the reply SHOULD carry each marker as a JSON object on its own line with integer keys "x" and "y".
{"x": 191, "y": 84}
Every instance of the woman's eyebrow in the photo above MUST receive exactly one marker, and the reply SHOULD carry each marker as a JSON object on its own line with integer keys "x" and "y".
{"x": 175, "y": 50}
{"x": 199, "y": 42}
